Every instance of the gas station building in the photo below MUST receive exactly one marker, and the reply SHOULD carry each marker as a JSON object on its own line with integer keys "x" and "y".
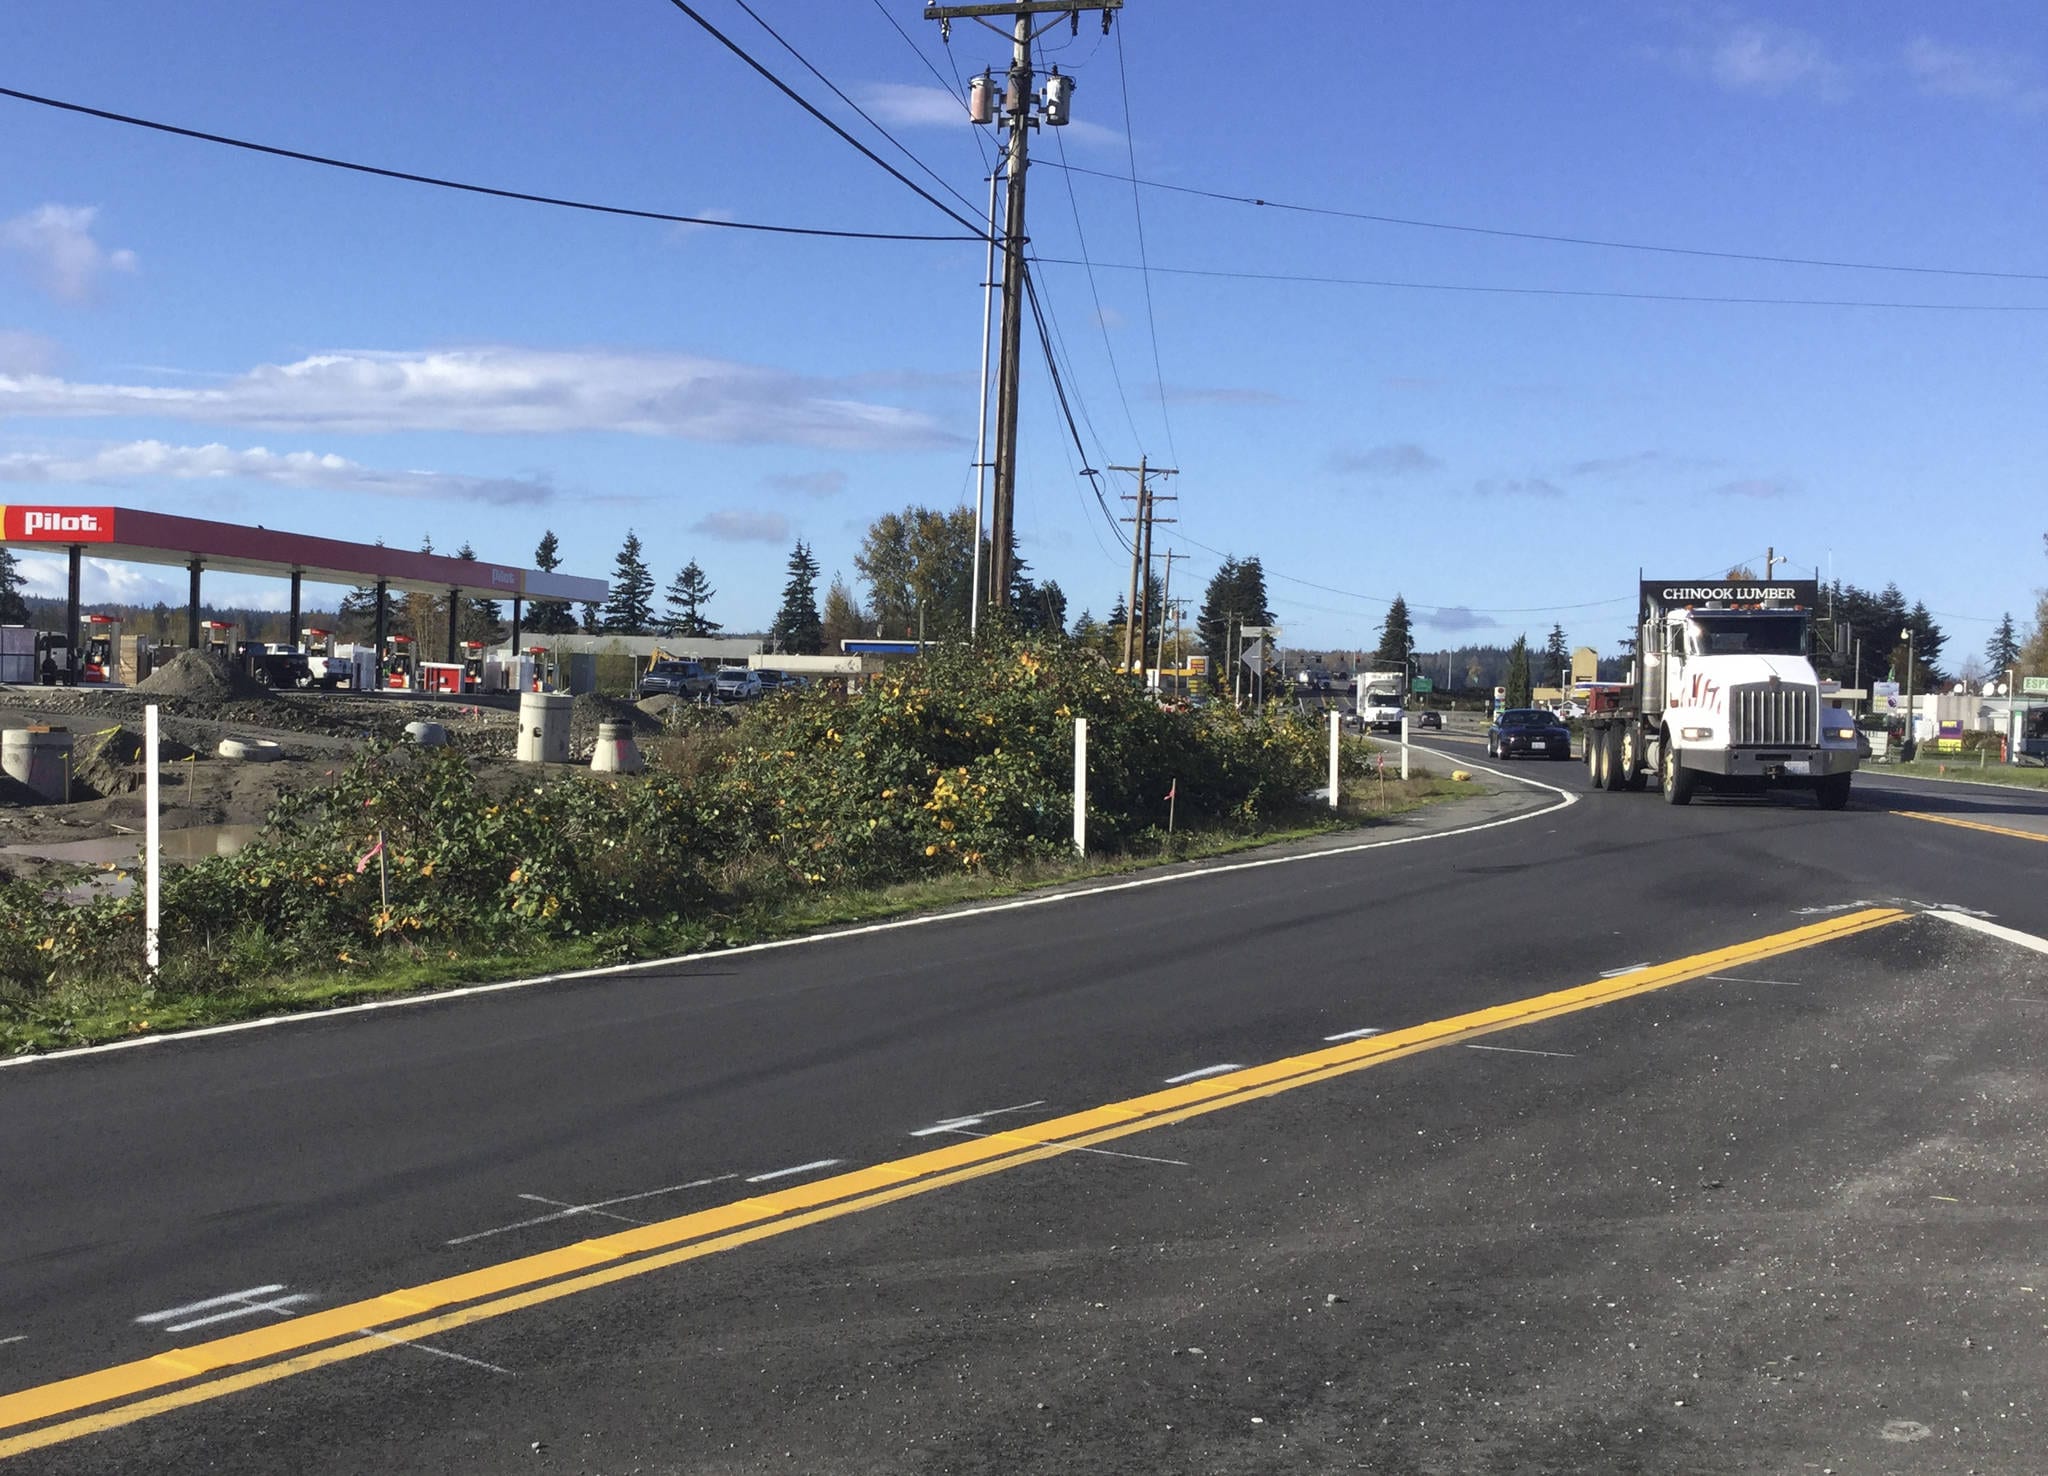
{"x": 131, "y": 535}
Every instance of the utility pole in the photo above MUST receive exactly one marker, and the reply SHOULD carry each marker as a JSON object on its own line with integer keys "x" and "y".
{"x": 1771, "y": 562}
{"x": 1165, "y": 611}
{"x": 1021, "y": 111}
{"x": 1141, "y": 557}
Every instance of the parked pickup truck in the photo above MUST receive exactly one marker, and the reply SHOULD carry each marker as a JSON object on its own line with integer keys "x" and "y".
{"x": 686, "y": 679}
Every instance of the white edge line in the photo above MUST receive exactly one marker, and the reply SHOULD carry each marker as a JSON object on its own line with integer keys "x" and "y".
{"x": 1634, "y": 968}
{"x": 1879, "y": 774}
{"x": 1990, "y": 929}
{"x": 1356, "y": 1034}
{"x": 801, "y": 1168}
{"x": 1217, "y": 1070}
{"x": 17, "y": 1338}
{"x": 1566, "y": 799}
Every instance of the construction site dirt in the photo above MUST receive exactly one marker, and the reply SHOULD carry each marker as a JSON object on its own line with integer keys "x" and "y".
{"x": 199, "y": 704}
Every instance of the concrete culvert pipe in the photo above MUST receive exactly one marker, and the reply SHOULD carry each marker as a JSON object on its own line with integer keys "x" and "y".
{"x": 427, "y": 735}
{"x": 251, "y": 750}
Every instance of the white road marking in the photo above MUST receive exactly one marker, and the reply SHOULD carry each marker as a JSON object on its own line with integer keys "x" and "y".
{"x": 1356, "y": 1034}
{"x": 1834, "y": 907}
{"x": 1565, "y": 799}
{"x": 438, "y": 1352}
{"x": 243, "y": 1303}
{"x": 973, "y": 1119}
{"x": 594, "y": 1207}
{"x": 1217, "y": 1070}
{"x": 1635, "y": 968}
{"x": 1977, "y": 924}
{"x": 1732, "y": 979}
{"x": 17, "y": 1338}
{"x": 1104, "y": 1152}
{"x": 802, "y": 1168}
{"x": 569, "y": 1207}
{"x": 1524, "y": 1051}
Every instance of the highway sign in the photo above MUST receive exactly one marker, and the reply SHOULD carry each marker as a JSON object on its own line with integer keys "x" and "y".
{"x": 1421, "y": 684}
{"x": 2034, "y": 686}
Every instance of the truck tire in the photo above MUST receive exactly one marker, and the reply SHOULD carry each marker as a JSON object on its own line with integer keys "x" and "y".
{"x": 1596, "y": 746}
{"x": 1633, "y": 774}
{"x": 1612, "y": 775}
{"x": 1678, "y": 781}
{"x": 1832, "y": 792}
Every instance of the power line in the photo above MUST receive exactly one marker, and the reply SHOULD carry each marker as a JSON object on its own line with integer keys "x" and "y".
{"x": 980, "y": 234}
{"x": 1312, "y": 279}
{"x": 494, "y": 191}
{"x": 805, "y": 61}
{"x": 1138, "y": 213}
{"x": 1081, "y": 236}
{"x": 1557, "y": 240}
{"x": 1060, "y": 392}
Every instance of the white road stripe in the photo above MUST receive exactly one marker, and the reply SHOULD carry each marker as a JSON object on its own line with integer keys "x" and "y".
{"x": 1217, "y": 1070}
{"x": 1104, "y": 1152}
{"x": 972, "y": 1119}
{"x": 1523, "y": 1051}
{"x": 594, "y": 1207}
{"x": 1356, "y": 1034}
{"x": 1565, "y": 799}
{"x": 802, "y": 1168}
{"x": 169, "y": 1313}
{"x": 1634, "y": 968}
{"x": 1990, "y": 929}
{"x": 1732, "y": 979}
{"x": 438, "y": 1352}
{"x": 17, "y": 1338}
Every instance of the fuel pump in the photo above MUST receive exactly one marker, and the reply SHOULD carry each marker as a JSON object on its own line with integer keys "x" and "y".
{"x": 102, "y": 647}
{"x": 398, "y": 662}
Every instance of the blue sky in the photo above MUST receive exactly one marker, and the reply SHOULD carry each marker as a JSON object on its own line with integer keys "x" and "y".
{"x": 197, "y": 329}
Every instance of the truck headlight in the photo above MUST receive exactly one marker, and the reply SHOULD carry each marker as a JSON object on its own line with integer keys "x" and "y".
{"x": 1696, "y": 735}
{"x": 1842, "y": 735}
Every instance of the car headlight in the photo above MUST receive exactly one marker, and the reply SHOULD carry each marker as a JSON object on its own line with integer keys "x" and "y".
{"x": 1842, "y": 735}
{"x": 1696, "y": 735}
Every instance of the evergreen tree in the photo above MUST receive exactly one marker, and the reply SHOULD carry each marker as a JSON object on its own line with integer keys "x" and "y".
{"x": 843, "y": 619}
{"x": 593, "y": 619}
{"x": 13, "y": 609}
{"x": 548, "y": 617}
{"x": 630, "y": 610}
{"x": 687, "y": 596}
{"x": 798, "y": 629}
{"x": 1517, "y": 682}
{"x": 480, "y": 619}
{"x": 1235, "y": 598}
{"x": 1397, "y": 639}
{"x": 2001, "y": 652}
{"x": 1557, "y": 658}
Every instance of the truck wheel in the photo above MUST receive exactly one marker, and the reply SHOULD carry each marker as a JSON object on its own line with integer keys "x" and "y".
{"x": 1596, "y": 746}
{"x": 1678, "y": 780}
{"x": 1633, "y": 775}
{"x": 1832, "y": 792}
{"x": 1612, "y": 757}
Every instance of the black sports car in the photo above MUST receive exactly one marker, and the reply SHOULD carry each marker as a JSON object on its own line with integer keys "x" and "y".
{"x": 1526, "y": 732}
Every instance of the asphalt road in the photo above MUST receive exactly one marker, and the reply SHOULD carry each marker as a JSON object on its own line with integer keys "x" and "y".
{"x": 1775, "y": 1217}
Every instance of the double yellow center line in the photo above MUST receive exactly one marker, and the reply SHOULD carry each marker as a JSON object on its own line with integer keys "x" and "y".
{"x": 124, "y": 1393}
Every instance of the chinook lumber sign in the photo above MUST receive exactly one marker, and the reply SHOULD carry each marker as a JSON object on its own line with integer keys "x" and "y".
{"x": 1672, "y": 594}
{"x": 23, "y": 524}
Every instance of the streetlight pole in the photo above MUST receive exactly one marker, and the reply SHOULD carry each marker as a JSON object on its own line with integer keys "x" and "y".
{"x": 1912, "y": 728}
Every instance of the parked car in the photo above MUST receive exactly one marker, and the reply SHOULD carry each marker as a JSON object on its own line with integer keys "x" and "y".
{"x": 737, "y": 684}
{"x": 773, "y": 681}
{"x": 1429, "y": 720}
{"x": 686, "y": 679}
{"x": 1528, "y": 731}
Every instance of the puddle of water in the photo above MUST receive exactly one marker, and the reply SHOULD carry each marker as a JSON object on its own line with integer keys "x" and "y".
{"x": 192, "y": 843}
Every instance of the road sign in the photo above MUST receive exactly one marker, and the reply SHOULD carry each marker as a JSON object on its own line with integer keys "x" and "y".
{"x": 1198, "y": 666}
{"x": 1255, "y": 656}
{"x": 2034, "y": 686}
{"x": 1421, "y": 684}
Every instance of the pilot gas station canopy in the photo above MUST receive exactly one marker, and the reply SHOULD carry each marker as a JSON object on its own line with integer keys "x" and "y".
{"x": 131, "y": 535}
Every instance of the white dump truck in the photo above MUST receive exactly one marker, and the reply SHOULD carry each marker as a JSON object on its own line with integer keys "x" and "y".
{"x": 1723, "y": 694}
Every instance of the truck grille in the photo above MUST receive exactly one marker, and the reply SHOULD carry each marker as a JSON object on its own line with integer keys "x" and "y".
{"x": 1763, "y": 715}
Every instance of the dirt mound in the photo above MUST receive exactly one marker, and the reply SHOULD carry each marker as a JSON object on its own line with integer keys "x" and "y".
{"x": 203, "y": 678}
{"x": 109, "y": 762}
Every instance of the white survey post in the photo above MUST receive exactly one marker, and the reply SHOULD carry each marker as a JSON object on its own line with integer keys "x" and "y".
{"x": 1404, "y": 743}
{"x": 1080, "y": 786}
{"x": 151, "y": 838}
{"x": 1336, "y": 719}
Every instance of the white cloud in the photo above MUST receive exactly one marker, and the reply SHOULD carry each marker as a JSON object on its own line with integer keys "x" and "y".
{"x": 26, "y": 353}
{"x": 810, "y": 484}
{"x": 1456, "y": 618}
{"x": 99, "y": 582}
{"x": 138, "y": 461}
{"x": 1763, "y": 57}
{"x": 1109, "y": 317}
{"x": 509, "y": 391}
{"x": 1999, "y": 78}
{"x": 736, "y": 525}
{"x": 55, "y": 243}
{"x": 906, "y": 106}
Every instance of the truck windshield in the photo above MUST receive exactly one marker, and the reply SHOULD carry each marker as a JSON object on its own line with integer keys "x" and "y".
{"x": 1746, "y": 635}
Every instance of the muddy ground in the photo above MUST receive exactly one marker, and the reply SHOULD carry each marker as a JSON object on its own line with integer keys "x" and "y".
{"x": 317, "y": 733}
